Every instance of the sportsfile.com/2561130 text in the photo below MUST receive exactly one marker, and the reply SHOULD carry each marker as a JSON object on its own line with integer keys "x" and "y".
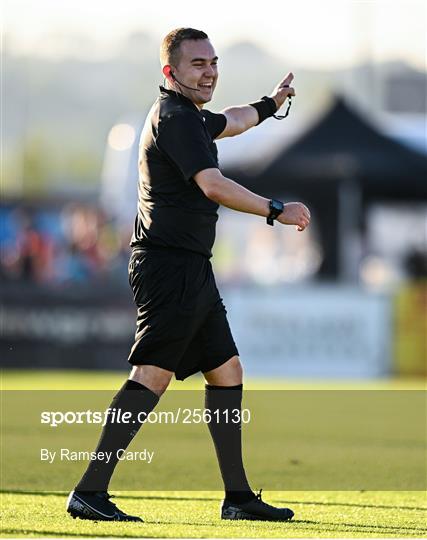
{"x": 113, "y": 415}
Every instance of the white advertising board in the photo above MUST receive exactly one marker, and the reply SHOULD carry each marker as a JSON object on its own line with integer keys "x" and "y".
{"x": 311, "y": 332}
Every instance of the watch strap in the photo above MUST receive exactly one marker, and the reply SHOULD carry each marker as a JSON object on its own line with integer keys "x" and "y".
{"x": 276, "y": 208}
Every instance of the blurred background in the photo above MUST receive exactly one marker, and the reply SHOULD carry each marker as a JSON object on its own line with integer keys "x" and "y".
{"x": 345, "y": 299}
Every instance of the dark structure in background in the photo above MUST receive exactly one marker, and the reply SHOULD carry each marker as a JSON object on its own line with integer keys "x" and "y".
{"x": 340, "y": 167}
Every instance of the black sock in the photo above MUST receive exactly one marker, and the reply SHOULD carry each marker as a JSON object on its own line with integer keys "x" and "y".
{"x": 227, "y": 438}
{"x": 135, "y": 398}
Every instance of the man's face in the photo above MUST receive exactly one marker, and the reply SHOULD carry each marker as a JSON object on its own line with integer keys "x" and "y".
{"x": 197, "y": 68}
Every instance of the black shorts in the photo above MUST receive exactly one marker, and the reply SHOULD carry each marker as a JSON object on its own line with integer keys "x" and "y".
{"x": 181, "y": 320}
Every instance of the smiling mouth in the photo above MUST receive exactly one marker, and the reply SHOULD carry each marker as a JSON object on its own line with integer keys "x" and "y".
{"x": 207, "y": 86}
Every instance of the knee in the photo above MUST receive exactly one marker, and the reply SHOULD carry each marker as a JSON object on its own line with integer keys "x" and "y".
{"x": 229, "y": 374}
{"x": 236, "y": 369}
{"x": 153, "y": 377}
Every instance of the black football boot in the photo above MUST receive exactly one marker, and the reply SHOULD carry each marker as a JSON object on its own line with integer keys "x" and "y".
{"x": 96, "y": 506}
{"x": 256, "y": 509}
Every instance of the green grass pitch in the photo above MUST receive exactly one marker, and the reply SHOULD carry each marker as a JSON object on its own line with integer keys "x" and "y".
{"x": 195, "y": 514}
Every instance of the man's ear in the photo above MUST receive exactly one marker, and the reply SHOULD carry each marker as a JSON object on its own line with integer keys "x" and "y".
{"x": 167, "y": 72}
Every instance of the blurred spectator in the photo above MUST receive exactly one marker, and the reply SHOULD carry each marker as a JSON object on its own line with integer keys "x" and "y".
{"x": 25, "y": 252}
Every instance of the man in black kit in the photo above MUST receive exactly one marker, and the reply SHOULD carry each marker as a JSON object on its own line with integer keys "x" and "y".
{"x": 182, "y": 326}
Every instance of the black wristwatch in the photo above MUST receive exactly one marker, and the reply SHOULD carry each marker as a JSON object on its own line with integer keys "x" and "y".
{"x": 276, "y": 208}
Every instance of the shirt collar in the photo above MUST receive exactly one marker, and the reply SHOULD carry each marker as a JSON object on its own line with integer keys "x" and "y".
{"x": 172, "y": 93}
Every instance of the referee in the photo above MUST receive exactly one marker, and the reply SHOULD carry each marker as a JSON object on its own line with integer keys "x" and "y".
{"x": 181, "y": 325}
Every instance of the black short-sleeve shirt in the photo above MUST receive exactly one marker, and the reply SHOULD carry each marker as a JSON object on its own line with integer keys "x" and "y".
{"x": 177, "y": 142}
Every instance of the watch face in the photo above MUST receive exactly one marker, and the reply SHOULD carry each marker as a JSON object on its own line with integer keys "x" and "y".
{"x": 276, "y": 205}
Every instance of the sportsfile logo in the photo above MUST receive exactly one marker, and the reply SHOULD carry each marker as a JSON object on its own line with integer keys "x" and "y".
{"x": 118, "y": 416}
{"x": 110, "y": 415}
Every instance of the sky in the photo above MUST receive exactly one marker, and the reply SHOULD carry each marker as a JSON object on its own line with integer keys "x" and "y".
{"x": 315, "y": 34}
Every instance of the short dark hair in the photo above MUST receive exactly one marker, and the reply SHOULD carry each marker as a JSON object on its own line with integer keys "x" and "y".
{"x": 169, "y": 49}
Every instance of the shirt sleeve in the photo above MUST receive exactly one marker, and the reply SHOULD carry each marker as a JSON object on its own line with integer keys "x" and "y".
{"x": 185, "y": 142}
{"x": 215, "y": 123}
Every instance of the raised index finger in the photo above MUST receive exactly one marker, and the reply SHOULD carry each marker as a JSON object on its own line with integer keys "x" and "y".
{"x": 288, "y": 79}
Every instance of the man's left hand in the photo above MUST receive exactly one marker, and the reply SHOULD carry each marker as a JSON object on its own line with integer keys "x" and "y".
{"x": 283, "y": 90}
